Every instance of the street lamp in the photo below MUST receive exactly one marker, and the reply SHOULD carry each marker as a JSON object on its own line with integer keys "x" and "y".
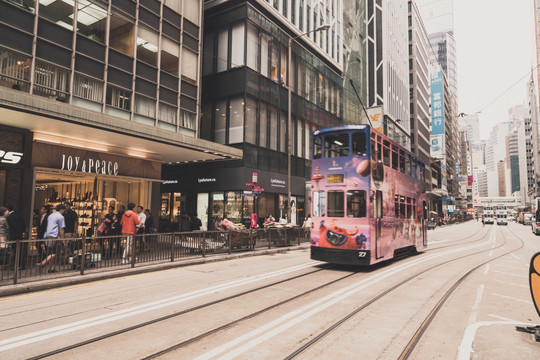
{"x": 289, "y": 115}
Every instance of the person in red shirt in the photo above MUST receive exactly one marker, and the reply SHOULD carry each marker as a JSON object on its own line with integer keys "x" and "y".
{"x": 129, "y": 223}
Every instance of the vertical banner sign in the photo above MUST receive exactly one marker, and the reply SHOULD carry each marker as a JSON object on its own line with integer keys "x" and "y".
{"x": 376, "y": 117}
{"x": 437, "y": 104}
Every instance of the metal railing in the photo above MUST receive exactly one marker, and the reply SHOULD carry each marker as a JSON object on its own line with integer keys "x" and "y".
{"x": 30, "y": 260}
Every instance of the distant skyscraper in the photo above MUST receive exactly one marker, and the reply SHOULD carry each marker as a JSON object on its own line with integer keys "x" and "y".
{"x": 438, "y": 17}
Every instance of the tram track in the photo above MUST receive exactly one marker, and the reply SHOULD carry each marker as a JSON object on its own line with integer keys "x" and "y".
{"x": 247, "y": 317}
{"x": 198, "y": 307}
{"x": 425, "y": 324}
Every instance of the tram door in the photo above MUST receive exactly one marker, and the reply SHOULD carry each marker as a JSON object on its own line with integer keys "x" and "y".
{"x": 378, "y": 224}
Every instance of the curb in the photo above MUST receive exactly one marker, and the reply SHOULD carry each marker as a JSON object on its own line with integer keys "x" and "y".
{"x": 46, "y": 284}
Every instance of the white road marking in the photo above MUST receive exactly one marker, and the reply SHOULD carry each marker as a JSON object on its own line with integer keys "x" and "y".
{"x": 510, "y": 267}
{"x": 515, "y": 256}
{"x": 139, "y": 309}
{"x": 243, "y": 343}
{"x": 510, "y": 274}
{"x": 465, "y": 349}
{"x": 511, "y": 283}
{"x": 486, "y": 271}
{"x": 476, "y": 305}
{"x": 513, "y": 298}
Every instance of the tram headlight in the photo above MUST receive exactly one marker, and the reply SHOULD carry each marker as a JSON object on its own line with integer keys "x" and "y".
{"x": 335, "y": 238}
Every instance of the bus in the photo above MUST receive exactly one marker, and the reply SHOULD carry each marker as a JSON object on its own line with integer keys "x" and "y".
{"x": 368, "y": 201}
{"x": 489, "y": 215}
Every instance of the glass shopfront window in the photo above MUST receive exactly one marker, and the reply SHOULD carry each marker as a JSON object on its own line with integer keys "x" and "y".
{"x": 233, "y": 206}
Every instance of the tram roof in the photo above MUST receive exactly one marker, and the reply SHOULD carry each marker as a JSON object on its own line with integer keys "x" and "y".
{"x": 340, "y": 128}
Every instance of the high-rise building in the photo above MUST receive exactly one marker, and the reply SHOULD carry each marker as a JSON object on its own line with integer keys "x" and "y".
{"x": 512, "y": 160}
{"x": 438, "y": 16}
{"x": 245, "y": 100}
{"x": 97, "y": 95}
{"x": 419, "y": 85}
{"x": 388, "y": 68}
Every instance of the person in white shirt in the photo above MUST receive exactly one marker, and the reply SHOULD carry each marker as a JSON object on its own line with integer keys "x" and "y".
{"x": 142, "y": 217}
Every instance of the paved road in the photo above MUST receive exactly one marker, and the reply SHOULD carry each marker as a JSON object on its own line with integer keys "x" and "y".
{"x": 269, "y": 306}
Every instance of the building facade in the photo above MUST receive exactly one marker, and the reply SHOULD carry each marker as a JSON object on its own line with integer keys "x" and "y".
{"x": 102, "y": 93}
{"x": 246, "y": 72}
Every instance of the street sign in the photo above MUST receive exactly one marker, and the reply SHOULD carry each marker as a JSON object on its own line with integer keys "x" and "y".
{"x": 258, "y": 189}
{"x": 252, "y": 184}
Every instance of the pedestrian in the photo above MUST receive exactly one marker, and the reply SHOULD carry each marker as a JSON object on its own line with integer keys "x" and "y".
{"x": 129, "y": 223}
{"x": 44, "y": 213}
{"x": 54, "y": 233}
{"x": 4, "y": 237}
{"x": 141, "y": 229}
{"x": 483, "y": 222}
{"x": 115, "y": 238}
{"x": 72, "y": 222}
{"x": 104, "y": 230}
{"x": 307, "y": 222}
{"x": 195, "y": 223}
{"x": 149, "y": 225}
{"x": 17, "y": 231}
{"x": 184, "y": 222}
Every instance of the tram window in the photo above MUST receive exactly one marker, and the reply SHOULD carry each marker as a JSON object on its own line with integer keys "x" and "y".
{"x": 379, "y": 153}
{"x": 396, "y": 205}
{"x": 336, "y": 204}
{"x": 359, "y": 143}
{"x": 336, "y": 145}
{"x": 408, "y": 165}
{"x": 319, "y": 203}
{"x": 414, "y": 168}
{"x": 402, "y": 206}
{"x": 394, "y": 160}
{"x": 409, "y": 208}
{"x": 386, "y": 156}
{"x": 401, "y": 161}
{"x": 356, "y": 203}
{"x": 373, "y": 152}
{"x": 317, "y": 147}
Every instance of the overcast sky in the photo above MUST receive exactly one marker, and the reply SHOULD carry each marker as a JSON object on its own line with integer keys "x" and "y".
{"x": 495, "y": 48}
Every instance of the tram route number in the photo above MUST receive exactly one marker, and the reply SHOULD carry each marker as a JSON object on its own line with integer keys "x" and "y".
{"x": 362, "y": 254}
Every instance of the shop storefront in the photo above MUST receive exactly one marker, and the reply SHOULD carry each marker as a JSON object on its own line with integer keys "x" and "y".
{"x": 15, "y": 169}
{"x": 232, "y": 194}
{"x": 92, "y": 181}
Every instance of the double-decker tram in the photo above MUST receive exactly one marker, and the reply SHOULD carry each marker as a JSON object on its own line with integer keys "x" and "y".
{"x": 489, "y": 214}
{"x": 368, "y": 197}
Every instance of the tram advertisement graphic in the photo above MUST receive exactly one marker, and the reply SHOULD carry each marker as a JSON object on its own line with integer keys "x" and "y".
{"x": 534, "y": 281}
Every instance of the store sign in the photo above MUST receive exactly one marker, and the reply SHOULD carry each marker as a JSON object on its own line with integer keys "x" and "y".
{"x": 277, "y": 183}
{"x": 91, "y": 166}
{"x": 10, "y": 157}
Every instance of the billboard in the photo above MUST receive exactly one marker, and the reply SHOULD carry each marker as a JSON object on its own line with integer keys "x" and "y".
{"x": 437, "y": 146}
{"x": 437, "y": 103}
{"x": 376, "y": 116}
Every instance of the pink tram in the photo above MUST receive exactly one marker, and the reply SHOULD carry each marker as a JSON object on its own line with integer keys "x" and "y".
{"x": 368, "y": 200}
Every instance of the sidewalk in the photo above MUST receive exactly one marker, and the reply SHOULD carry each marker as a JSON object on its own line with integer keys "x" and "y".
{"x": 60, "y": 280}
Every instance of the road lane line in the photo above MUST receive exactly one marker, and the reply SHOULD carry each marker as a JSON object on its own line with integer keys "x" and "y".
{"x": 465, "y": 349}
{"x": 486, "y": 271}
{"x": 44, "y": 334}
{"x": 511, "y": 283}
{"x": 513, "y": 298}
{"x": 243, "y": 343}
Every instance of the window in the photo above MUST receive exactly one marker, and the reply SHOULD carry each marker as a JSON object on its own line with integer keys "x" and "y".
{"x": 222, "y": 49}
{"x": 236, "y": 127}
{"x": 317, "y": 147}
{"x": 252, "y": 48}
{"x": 237, "y": 45}
{"x": 167, "y": 113}
{"x": 402, "y": 161}
{"x": 50, "y": 80}
{"x": 189, "y": 64}
{"x": 264, "y": 55}
{"x": 359, "y": 143}
{"x": 145, "y": 106}
{"x": 319, "y": 203}
{"x": 386, "y": 154}
{"x": 59, "y": 12}
{"x": 356, "y": 203}
{"x": 336, "y": 203}
{"x": 336, "y": 145}
{"x": 402, "y": 207}
{"x": 273, "y": 128}
{"x": 191, "y": 10}
{"x": 92, "y": 20}
{"x": 118, "y": 98}
{"x": 394, "y": 159}
{"x": 187, "y": 119}
{"x": 14, "y": 70}
{"x": 251, "y": 121}
{"x": 147, "y": 46}
{"x": 170, "y": 54}
{"x": 263, "y": 126}
{"x": 121, "y": 34}
{"x": 87, "y": 88}
{"x": 220, "y": 122}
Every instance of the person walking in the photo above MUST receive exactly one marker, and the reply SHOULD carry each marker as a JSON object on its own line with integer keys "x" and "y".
{"x": 72, "y": 224}
{"x": 54, "y": 233}
{"x": 115, "y": 236}
{"x": 17, "y": 231}
{"x": 44, "y": 213}
{"x": 483, "y": 221}
{"x": 184, "y": 222}
{"x": 129, "y": 223}
{"x": 141, "y": 228}
{"x": 196, "y": 223}
{"x": 4, "y": 237}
